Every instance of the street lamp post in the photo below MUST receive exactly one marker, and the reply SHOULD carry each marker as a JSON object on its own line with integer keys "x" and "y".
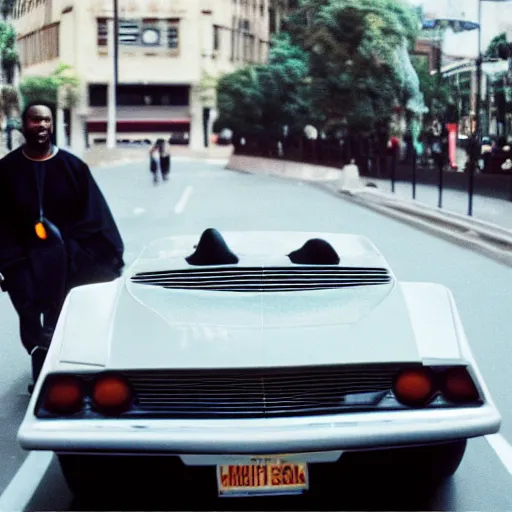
{"x": 113, "y": 37}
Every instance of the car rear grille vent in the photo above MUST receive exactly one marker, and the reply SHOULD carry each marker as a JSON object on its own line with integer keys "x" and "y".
{"x": 259, "y": 393}
{"x": 276, "y": 279}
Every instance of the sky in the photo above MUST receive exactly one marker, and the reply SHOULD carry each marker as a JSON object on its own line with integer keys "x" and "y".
{"x": 496, "y": 18}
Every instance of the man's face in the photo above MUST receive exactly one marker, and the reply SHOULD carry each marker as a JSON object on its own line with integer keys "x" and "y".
{"x": 38, "y": 126}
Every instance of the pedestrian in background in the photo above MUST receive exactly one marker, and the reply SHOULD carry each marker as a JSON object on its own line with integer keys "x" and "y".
{"x": 56, "y": 231}
{"x": 160, "y": 156}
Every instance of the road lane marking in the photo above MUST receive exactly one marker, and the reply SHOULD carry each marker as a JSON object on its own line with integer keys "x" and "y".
{"x": 502, "y": 448}
{"x": 22, "y": 487}
{"x": 180, "y": 205}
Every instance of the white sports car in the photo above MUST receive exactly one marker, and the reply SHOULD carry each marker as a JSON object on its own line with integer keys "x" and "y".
{"x": 262, "y": 356}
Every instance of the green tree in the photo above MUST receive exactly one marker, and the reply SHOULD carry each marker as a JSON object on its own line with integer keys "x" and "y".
{"x": 497, "y": 42}
{"x": 239, "y": 102}
{"x": 356, "y": 58}
{"x": 284, "y": 86}
{"x": 261, "y": 100}
{"x": 437, "y": 95}
{"x": 8, "y": 53}
{"x": 9, "y": 61}
{"x": 341, "y": 63}
{"x": 60, "y": 88}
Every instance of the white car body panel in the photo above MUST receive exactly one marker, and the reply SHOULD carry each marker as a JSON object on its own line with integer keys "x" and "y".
{"x": 124, "y": 325}
{"x": 348, "y": 431}
{"x": 256, "y": 338}
{"x": 431, "y": 315}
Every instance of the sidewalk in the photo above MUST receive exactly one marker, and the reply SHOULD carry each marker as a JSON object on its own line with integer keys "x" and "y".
{"x": 489, "y": 209}
{"x": 101, "y": 156}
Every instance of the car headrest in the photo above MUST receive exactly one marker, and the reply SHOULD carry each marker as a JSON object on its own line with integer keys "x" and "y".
{"x": 315, "y": 252}
{"x": 212, "y": 250}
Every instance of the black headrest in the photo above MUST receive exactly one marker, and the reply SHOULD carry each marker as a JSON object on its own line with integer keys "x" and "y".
{"x": 212, "y": 250}
{"x": 315, "y": 252}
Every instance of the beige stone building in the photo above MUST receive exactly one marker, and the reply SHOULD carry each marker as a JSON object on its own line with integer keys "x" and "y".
{"x": 170, "y": 54}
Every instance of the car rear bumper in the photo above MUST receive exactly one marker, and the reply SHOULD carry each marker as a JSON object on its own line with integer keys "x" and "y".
{"x": 272, "y": 436}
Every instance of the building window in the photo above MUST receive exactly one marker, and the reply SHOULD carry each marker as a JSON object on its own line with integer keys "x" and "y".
{"x": 129, "y": 32}
{"x": 39, "y": 46}
{"x": 173, "y": 35}
{"x": 139, "y": 32}
{"x": 97, "y": 95}
{"x": 248, "y": 48}
{"x": 151, "y": 32}
{"x": 102, "y": 28}
{"x": 247, "y": 42}
{"x": 141, "y": 96}
{"x": 145, "y": 32}
{"x": 272, "y": 21}
{"x": 216, "y": 38}
{"x": 240, "y": 36}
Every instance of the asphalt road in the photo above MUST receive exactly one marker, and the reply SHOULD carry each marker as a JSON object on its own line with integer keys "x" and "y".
{"x": 201, "y": 195}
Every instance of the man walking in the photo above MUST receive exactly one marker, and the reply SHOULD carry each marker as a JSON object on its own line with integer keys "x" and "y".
{"x": 56, "y": 231}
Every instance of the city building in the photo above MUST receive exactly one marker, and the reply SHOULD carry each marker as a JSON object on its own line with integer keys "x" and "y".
{"x": 428, "y": 47}
{"x": 496, "y": 119}
{"x": 170, "y": 55}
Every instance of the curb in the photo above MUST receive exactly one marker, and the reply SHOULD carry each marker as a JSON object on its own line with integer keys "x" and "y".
{"x": 468, "y": 239}
{"x": 483, "y": 228}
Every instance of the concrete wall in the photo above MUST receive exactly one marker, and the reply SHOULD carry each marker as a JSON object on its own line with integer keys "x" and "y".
{"x": 285, "y": 168}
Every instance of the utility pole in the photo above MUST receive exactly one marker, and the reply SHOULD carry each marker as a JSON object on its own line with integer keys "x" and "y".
{"x": 113, "y": 49}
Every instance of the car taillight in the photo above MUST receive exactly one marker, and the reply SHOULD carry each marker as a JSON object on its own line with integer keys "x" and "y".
{"x": 64, "y": 395}
{"x": 458, "y": 386}
{"x": 112, "y": 394}
{"x": 414, "y": 387}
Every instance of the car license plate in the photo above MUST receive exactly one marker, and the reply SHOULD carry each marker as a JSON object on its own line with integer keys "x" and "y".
{"x": 262, "y": 478}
